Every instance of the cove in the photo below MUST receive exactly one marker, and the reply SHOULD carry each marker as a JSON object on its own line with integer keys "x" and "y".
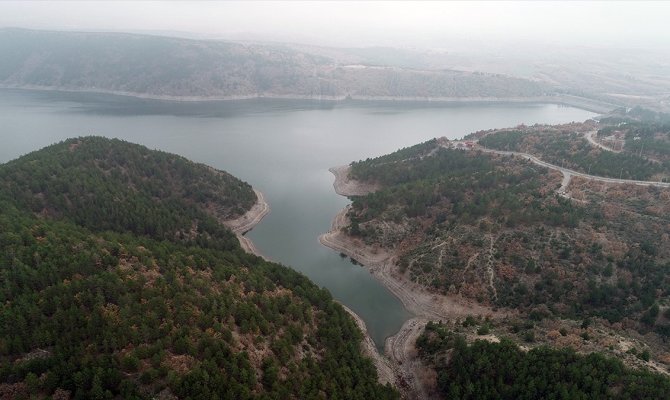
{"x": 283, "y": 148}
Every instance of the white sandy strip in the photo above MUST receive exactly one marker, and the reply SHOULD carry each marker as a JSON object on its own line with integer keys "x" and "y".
{"x": 246, "y": 222}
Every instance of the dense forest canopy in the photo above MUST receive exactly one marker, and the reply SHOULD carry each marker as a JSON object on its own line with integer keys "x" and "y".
{"x": 114, "y": 185}
{"x": 486, "y": 370}
{"x": 572, "y": 151}
{"x": 493, "y": 228}
{"x": 110, "y": 289}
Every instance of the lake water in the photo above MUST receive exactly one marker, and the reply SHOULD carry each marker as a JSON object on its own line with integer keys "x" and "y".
{"x": 282, "y": 147}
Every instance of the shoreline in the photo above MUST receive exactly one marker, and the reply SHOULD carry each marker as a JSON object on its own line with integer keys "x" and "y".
{"x": 385, "y": 370}
{"x": 348, "y": 187}
{"x": 243, "y": 224}
{"x": 415, "y": 299}
{"x": 592, "y": 105}
{"x": 400, "y": 348}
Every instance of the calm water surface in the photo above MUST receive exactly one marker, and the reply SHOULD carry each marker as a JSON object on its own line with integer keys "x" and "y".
{"x": 284, "y": 148}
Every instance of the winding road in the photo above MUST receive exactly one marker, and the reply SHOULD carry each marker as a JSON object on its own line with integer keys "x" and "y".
{"x": 569, "y": 172}
{"x": 403, "y": 366}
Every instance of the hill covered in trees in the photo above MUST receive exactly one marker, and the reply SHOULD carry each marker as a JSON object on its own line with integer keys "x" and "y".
{"x": 562, "y": 145}
{"x": 493, "y": 228}
{"x": 115, "y": 185}
{"x": 119, "y": 281}
{"x": 502, "y": 370}
{"x": 171, "y": 67}
{"x": 639, "y": 132}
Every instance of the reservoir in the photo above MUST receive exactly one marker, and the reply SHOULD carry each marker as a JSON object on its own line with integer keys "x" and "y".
{"x": 283, "y": 148}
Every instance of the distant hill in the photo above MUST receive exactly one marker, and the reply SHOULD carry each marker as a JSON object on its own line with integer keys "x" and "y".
{"x": 171, "y": 67}
{"x": 119, "y": 281}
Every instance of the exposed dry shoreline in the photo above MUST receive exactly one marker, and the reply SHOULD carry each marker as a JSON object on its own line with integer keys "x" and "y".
{"x": 412, "y": 378}
{"x": 347, "y": 187}
{"x": 416, "y": 300}
{"x": 246, "y": 222}
{"x": 380, "y": 262}
{"x": 567, "y": 100}
{"x": 385, "y": 369}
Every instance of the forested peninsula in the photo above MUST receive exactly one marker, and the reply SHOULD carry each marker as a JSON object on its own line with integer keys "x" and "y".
{"x": 119, "y": 280}
{"x": 522, "y": 251}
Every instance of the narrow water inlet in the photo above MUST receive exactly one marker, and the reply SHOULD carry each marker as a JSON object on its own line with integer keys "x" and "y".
{"x": 283, "y": 148}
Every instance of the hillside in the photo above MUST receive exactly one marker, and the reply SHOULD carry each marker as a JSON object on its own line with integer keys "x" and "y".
{"x": 115, "y": 185}
{"x": 165, "y": 67}
{"x": 501, "y": 369}
{"x": 514, "y": 236}
{"x": 638, "y": 132}
{"x": 493, "y": 228}
{"x": 569, "y": 147}
{"x": 119, "y": 281}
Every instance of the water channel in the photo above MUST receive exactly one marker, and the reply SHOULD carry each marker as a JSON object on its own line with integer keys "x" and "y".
{"x": 282, "y": 147}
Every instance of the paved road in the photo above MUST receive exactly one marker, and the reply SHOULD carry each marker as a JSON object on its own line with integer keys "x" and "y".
{"x": 570, "y": 172}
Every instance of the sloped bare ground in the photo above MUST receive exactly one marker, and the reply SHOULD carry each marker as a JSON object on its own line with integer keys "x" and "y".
{"x": 412, "y": 378}
{"x": 349, "y": 187}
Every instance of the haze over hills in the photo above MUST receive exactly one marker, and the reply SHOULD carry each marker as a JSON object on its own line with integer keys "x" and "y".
{"x": 182, "y": 68}
{"x": 619, "y": 76}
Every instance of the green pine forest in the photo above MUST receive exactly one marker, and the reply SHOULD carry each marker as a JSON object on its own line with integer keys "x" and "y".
{"x": 546, "y": 252}
{"x": 487, "y": 370}
{"x": 492, "y": 228}
{"x": 118, "y": 280}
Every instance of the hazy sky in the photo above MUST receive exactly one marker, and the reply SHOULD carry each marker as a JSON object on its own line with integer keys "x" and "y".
{"x": 407, "y": 24}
